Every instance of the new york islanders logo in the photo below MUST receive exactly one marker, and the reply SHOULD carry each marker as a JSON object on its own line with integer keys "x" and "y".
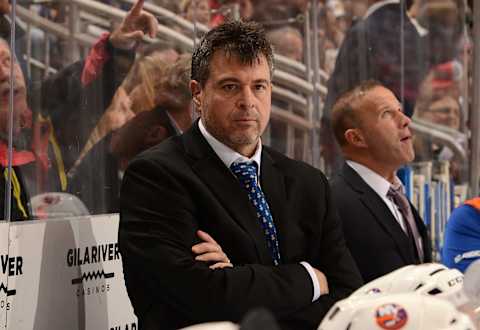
{"x": 391, "y": 316}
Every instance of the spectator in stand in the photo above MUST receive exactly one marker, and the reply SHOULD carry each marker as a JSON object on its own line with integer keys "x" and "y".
{"x": 37, "y": 161}
{"x": 153, "y": 103}
{"x": 287, "y": 41}
{"x": 171, "y": 5}
{"x": 371, "y": 51}
{"x": 226, "y": 9}
{"x": 336, "y": 24}
{"x": 298, "y": 6}
{"x": 56, "y": 12}
{"x": 171, "y": 114}
{"x": 333, "y": 27}
{"x": 196, "y": 10}
{"x": 462, "y": 236}
{"x": 20, "y": 34}
{"x": 168, "y": 51}
{"x": 439, "y": 103}
{"x": 443, "y": 21}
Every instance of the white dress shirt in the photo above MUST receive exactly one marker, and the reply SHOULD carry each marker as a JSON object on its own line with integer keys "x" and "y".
{"x": 230, "y": 156}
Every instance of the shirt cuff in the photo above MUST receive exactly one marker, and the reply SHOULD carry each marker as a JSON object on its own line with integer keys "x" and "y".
{"x": 316, "y": 285}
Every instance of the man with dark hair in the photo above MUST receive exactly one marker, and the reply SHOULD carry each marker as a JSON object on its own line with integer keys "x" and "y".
{"x": 382, "y": 229}
{"x": 275, "y": 241}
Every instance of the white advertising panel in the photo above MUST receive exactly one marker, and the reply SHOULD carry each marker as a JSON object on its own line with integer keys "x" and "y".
{"x": 5, "y": 265}
{"x": 67, "y": 274}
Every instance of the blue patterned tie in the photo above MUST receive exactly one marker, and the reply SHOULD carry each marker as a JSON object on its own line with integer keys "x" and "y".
{"x": 247, "y": 176}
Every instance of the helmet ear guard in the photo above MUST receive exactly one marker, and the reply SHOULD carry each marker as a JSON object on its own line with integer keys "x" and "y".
{"x": 405, "y": 311}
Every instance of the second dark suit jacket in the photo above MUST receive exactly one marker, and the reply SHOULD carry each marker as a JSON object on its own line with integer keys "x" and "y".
{"x": 377, "y": 242}
{"x": 371, "y": 50}
{"x": 180, "y": 186}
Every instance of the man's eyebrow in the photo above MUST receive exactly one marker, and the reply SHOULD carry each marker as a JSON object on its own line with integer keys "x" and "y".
{"x": 261, "y": 81}
{"x": 395, "y": 106}
{"x": 235, "y": 80}
{"x": 227, "y": 80}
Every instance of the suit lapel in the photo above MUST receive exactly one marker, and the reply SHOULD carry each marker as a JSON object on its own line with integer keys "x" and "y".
{"x": 273, "y": 185}
{"x": 223, "y": 184}
{"x": 380, "y": 211}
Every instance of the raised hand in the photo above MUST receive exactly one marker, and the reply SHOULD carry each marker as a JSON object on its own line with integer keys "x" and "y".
{"x": 134, "y": 26}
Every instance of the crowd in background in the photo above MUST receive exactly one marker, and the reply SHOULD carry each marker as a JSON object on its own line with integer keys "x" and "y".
{"x": 440, "y": 98}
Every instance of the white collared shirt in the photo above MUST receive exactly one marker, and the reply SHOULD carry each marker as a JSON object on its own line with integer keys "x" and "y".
{"x": 230, "y": 156}
{"x": 227, "y": 154}
{"x": 381, "y": 186}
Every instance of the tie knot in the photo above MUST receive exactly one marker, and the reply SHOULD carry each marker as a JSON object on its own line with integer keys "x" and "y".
{"x": 245, "y": 172}
{"x": 397, "y": 195}
{"x": 394, "y": 191}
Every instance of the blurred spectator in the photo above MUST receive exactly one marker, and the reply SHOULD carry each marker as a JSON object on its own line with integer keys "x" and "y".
{"x": 439, "y": 103}
{"x": 444, "y": 23}
{"x": 20, "y": 33}
{"x": 152, "y": 104}
{"x": 37, "y": 156}
{"x": 169, "y": 52}
{"x": 335, "y": 22}
{"x": 196, "y": 11}
{"x": 227, "y": 9}
{"x": 462, "y": 236}
{"x": 245, "y": 7}
{"x": 298, "y": 6}
{"x": 287, "y": 41}
{"x": 278, "y": 16}
{"x": 354, "y": 10}
{"x": 443, "y": 110}
{"x": 171, "y": 5}
{"x": 333, "y": 25}
{"x": 371, "y": 51}
{"x": 56, "y": 12}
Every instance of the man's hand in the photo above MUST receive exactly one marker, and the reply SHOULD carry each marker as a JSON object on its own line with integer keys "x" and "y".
{"x": 322, "y": 281}
{"x": 210, "y": 251}
{"x": 133, "y": 27}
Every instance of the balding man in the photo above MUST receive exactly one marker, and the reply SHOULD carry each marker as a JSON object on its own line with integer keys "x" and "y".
{"x": 382, "y": 229}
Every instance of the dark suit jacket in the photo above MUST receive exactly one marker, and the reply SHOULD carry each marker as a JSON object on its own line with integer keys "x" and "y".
{"x": 377, "y": 242}
{"x": 371, "y": 50}
{"x": 180, "y": 186}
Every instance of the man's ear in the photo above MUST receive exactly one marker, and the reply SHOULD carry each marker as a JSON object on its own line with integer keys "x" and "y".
{"x": 196, "y": 90}
{"x": 354, "y": 137}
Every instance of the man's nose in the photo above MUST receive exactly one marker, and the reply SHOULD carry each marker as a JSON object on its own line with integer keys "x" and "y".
{"x": 405, "y": 121}
{"x": 246, "y": 98}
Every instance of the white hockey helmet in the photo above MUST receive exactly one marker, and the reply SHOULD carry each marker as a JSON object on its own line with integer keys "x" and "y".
{"x": 430, "y": 279}
{"x": 57, "y": 205}
{"x": 403, "y": 311}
